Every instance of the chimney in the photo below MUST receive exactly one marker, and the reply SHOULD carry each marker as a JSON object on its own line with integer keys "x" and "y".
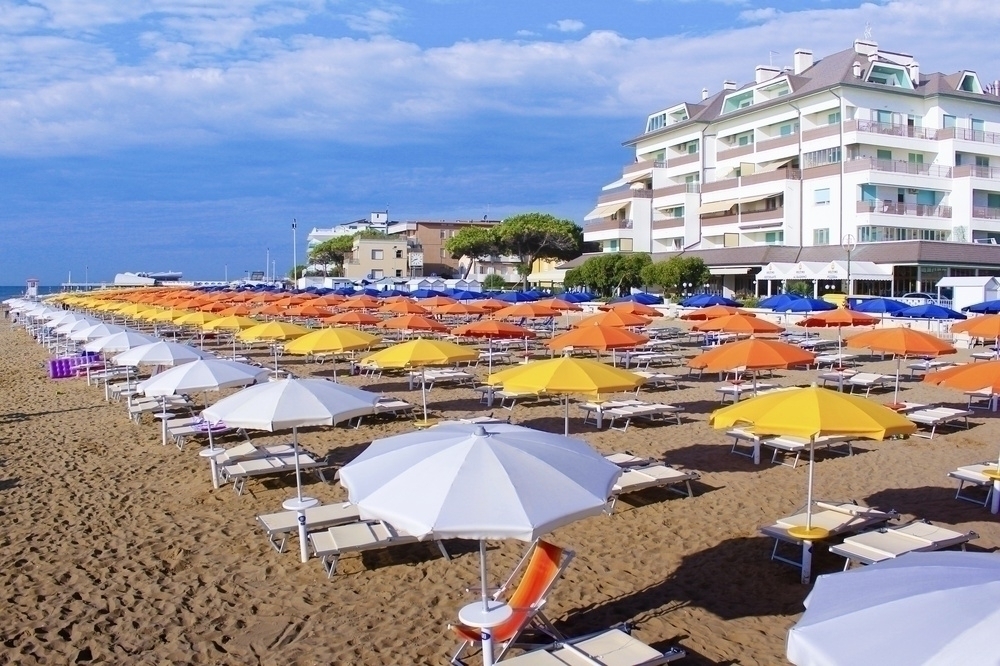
{"x": 865, "y": 47}
{"x": 802, "y": 60}
{"x": 914, "y": 73}
{"x": 729, "y": 85}
{"x": 704, "y": 93}
{"x": 857, "y": 69}
{"x": 764, "y": 73}
{"x": 996, "y": 87}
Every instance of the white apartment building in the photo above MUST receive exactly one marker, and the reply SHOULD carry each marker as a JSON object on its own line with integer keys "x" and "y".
{"x": 377, "y": 221}
{"x": 860, "y": 145}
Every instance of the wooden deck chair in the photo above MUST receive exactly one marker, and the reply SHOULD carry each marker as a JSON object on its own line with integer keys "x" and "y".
{"x": 543, "y": 565}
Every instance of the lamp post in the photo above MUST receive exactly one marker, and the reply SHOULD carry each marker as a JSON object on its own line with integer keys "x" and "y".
{"x": 848, "y": 242}
{"x": 295, "y": 264}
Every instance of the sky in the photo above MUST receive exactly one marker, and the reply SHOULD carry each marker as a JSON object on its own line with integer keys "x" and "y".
{"x": 149, "y": 135}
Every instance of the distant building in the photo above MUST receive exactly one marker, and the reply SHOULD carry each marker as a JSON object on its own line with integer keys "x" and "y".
{"x": 857, "y": 147}
{"x": 377, "y": 221}
{"x": 425, "y": 240}
{"x": 377, "y": 258}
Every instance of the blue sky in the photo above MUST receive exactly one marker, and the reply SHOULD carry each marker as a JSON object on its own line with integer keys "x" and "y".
{"x": 186, "y": 134}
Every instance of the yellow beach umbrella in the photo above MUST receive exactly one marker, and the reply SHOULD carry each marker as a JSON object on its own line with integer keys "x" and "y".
{"x": 134, "y": 309}
{"x": 168, "y": 315}
{"x": 421, "y": 353}
{"x": 274, "y": 331}
{"x": 809, "y": 413}
{"x": 565, "y": 376}
{"x": 197, "y": 318}
{"x": 331, "y": 341}
{"x": 230, "y": 323}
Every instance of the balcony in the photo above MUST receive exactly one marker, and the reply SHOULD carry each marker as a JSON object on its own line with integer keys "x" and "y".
{"x": 730, "y": 153}
{"x": 680, "y": 160}
{"x": 898, "y": 166}
{"x": 778, "y": 142}
{"x": 623, "y": 193}
{"x": 669, "y": 223}
{"x": 746, "y": 218}
{"x": 606, "y": 225}
{"x": 984, "y": 213}
{"x": 969, "y": 135}
{"x": 683, "y": 188}
{"x": 889, "y": 129}
{"x": 637, "y": 166}
{"x": 894, "y": 208}
{"x": 821, "y": 132}
{"x": 752, "y": 179}
{"x": 969, "y": 171}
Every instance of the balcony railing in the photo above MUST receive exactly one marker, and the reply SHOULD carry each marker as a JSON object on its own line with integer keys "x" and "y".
{"x": 898, "y": 166}
{"x": 968, "y": 170}
{"x": 986, "y": 213}
{"x": 778, "y": 142}
{"x": 637, "y": 166}
{"x": 746, "y": 217}
{"x": 969, "y": 135}
{"x": 605, "y": 225}
{"x": 890, "y": 129}
{"x": 736, "y": 151}
{"x": 669, "y": 223}
{"x": 752, "y": 179}
{"x": 683, "y": 188}
{"x": 820, "y": 132}
{"x": 622, "y": 193}
{"x": 895, "y": 208}
{"x": 683, "y": 159}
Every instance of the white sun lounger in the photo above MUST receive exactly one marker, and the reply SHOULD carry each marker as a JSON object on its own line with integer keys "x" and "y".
{"x": 249, "y": 451}
{"x": 735, "y": 391}
{"x": 891, "y": 542}
{"x": 784, "y": 446}
{"x": 938, "y": 416}
{"x": 240, "y": 472}
{"x": 358, "y": 537}
{"x": 866, "y": 380}
{"x": 625, "y": 459}
{"x": 972, "y": 475}
{"x": 613, "y": 647}
{"x": 279, "y": 525}
{"x": 652, "y": 476}
{"x": 927, "y": 365}
{"x": 656, "y": 380}
{"x": 650, "y": 412}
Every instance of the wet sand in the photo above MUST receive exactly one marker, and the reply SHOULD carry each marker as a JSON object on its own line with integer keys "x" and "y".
{"x": 117, "y": 549}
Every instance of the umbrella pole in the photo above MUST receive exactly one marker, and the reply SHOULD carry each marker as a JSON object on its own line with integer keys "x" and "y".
{"x": 212, "y": 462}
{"x": 806, "y": 543}
{"x": 299, "y": 504}
{"x": 566, "y": 429}
{"x": 895, "y": 395}
{"x": 423, "y": 389}
{"x": 487, "y": 632}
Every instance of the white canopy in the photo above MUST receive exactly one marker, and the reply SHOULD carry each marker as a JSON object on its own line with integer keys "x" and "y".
{"x": 603, "y": 211}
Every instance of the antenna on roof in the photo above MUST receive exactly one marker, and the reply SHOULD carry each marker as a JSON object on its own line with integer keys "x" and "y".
{"x": 770, "y": 57}
{"x": 868, "y": 31}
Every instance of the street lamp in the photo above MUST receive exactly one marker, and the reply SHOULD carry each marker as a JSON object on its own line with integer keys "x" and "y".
{"x": 848, "y": 242}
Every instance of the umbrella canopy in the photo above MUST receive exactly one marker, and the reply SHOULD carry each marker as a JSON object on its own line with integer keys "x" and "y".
{"x": 880, "y": 306}
{"x": 230, "y": 323}
{"x": 739, "y": 323}
{"x": 413, "y": 323}
{"x": 809, "y": 413}
{"x": 838, "y": 318}
{"x": 806, "y": 305}
{"x": 404, "y": 307}
{"x": 714, "y": 312}
{"x": 461, "y": 309}
{"x": 530, "y": 310}
{"x": 778, "y": 300}
{"x": 902, "y": 342}
{"x": 207, "y": 374}
{"x": 930, "y": 311}
{"x": 272, "y": 330}
{"x": 426, "y": 293}
{"x": 331, "y": 340}
{"x": 360, "y": 303}
{"x": 704, "y": 300}
{"x": 559, "y": 304}
{"x": 437, "y": 301}
{"x": 986, "y": 307}
{"x": 613, "y": 318}
{"x": 352, "y": 319}
{"x": 161, "y": 352}
{"x": 970, "y": 377}
{"x": 95, "y": 331}
{"x": 944, "y": 607}
{"x": 309, "y": 309}
{"x": 752, "y": 354}
{"x": 118, "y": 342}
{"x": 601, "y": 338}
{"x": 195, "y": 319}
{"x": 494, "y": 329}
{"x": 631, "y": 307}
{"x": 516, "y": 296}
{"x": 641, "y": 298}
{"x": 987, "y": 326}
{"x": 491, "y": 304}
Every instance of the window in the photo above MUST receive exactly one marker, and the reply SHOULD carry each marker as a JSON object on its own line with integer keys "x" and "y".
{"x": 745, "y": 139}
{"x": 444, "y": 233}
{"x": 656, "y": 122}
{"x": 833, "y": 118}
{"x": 377, "y": 255}
{"x": 890, "y": 75}
{"x": 677, "y": 212}
{"x": 444, "y": 253}
{"x": 982, "y": 161}
{"x": 915, "y": 158}
{"x": 692, "y": 178}
{"x": 883, "y": 155}
{"x": 948, "y": 121}
{"x": 399, "y": 272}
{"x": 774, "y": 237}
{"x": 612, "y": 245}
{"x": 821, "y": 197}
{"x": 821, "y": 157}
{"x": 821, "y": 236}
{"x": 737, "y": 101}
{"x": 868, "y": 193}
{"x": 883, "y": 117}
{"x": 378, "y": 274}
{"x": 481, "y": 269}
{"x": 785, "y": 130}
{"x": 399, "y": 254}
{"x": 692, "y": 147}
{"x": 977, "y": 125}
{"x": 970, "y": 83}
{"x": 992, "y": 200}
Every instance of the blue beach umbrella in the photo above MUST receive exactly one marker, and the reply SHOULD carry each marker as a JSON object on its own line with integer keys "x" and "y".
{"x": 986, "y": 307}
{"x": 779, "y": 300}
{"x": 516, "y": 297}
{"x": 641, "y": 298}
{"x": 463, "y": 295}
{"x": 806, "y": 305}
{"x": 930, "y": 311}
{"x": 704, "y": 300}
{"x": 880, "y": 306}
{"x": 425, "y": 293}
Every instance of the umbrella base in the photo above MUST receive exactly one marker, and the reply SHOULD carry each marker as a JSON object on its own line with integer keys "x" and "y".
{"x": 425, "y": 423}
{"x": 808, "y": 534}
{"x": 991, "y": 473}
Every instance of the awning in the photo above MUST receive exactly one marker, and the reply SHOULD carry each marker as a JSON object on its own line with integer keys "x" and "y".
{"x": 553, "y": 275}
{"x": 729, "y": 270}
{"x": 773, "y": 166}
{"x": 603, "y": 211}
{"x": 758, "y": 199}
{"x": 641, "y": 174}
{"x": 716, "y": 206}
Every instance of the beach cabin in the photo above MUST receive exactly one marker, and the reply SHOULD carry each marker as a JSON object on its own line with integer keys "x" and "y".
{"x": 425, "y": 283}
{"x": 464, "y": 285}
{"x": 966, "y": 291}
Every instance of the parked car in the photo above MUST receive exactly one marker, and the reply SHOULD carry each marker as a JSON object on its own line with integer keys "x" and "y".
{"x": 920, "y": 296}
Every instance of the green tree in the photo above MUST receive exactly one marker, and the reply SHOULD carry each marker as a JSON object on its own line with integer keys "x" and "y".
{"x": 533, "y": 236}
{"x": 610, "y": 274}
{"x": 472, "y": 241}
{"x": 671, "y": 274}
{"x": 494, "y": 282}
{"x": 332, "y": 251}
{"x": 298, "y": 271}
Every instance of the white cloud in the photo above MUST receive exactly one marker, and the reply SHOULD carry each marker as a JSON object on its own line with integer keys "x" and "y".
{"x": 526, "y": 33}
{"x": 759, "y": 15}
{"x": 567, "y": 25}
{"x": 376, "y": 21}
{"x": 204, "y": 73}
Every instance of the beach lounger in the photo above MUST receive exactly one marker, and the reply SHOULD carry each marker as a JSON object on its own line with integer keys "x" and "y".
{"x": 984, "y": 399}
{"x": 279, "y": 525}
{"x": 240, "y": 472}
{"x": 512, "y": 397}
{"x": 139, "y": 408}
{"x": 972, "y": 475}
{"x": 656, "y": 380}
{"x": 867, "y": 381}
{"x": 612, "y": 647}
{"x": 543, "y": 564}
{"x": 735, "y": 391}
{"x": 625, "y": 459}
{"x": 249, "y": 451}
{"x": 358, "y": 537}
{"x": 635, "y": 479}
{"x": 927, "y": 365}
{"x": 838, "y": 519}
{"x": 938, "y": 416}
{"x": 832, "y": 360}
{"x": 891, "y": 542}
{"x": 650, "y": 412}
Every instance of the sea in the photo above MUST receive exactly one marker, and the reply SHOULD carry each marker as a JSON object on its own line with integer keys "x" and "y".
{"x": 11, "y": 291}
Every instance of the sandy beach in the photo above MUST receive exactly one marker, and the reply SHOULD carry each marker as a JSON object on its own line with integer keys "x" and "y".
{"x": 117, "y": 549}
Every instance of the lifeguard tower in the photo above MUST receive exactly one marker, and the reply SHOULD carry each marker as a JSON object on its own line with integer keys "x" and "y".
{"x": 32, "y": 289}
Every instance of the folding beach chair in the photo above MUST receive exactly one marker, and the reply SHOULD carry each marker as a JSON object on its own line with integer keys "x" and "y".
{"x": 891, "y": 542}
{"x": 652, "y": 476}
{"x": 277, "y": 526}
{"x": 974, "y": 477}
{"x": 543, "y": 565}
{"x": 358, "y": 537}
{"x": 612, "y": 646}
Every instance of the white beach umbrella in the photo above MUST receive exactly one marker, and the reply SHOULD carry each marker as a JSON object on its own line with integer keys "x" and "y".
{"x": 161, "y": 352}
{"x": 98, "y": 330}
{"x": 479, "y": 481}
{"x": 64, "y": 317}
{"x": 119, "y": 342}
{"x": 919, "y": 609}
{"x": 78, "y": 325}
{"x": 293, "y": 403}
